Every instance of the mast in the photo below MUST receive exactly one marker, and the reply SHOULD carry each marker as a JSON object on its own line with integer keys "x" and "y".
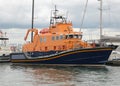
{"x": 101, "y": 2}
{"x": 53, "y": 19}
{"x": 100, "y": 19}
{"x": 32, "y": 19}
{"x": 55, "y": 14}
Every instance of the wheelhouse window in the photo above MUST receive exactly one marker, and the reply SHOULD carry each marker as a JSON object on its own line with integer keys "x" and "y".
{"x": 78, "y": 36}
{"x": 43, "y": 39}
{"x": 67, "y": 36}
{"x": 53, "y": 38}
{"x": 75, "y": 36}
{"x": 61, "y": 36}
{"x": 70, "y": 36}
{"x": 57, "y": 37}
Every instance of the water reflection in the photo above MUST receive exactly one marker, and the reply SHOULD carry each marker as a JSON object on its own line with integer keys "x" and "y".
{"x": 37, "y": 75}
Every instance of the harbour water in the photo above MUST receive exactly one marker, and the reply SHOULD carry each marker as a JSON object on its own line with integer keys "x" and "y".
{"x": 41, "y": 75}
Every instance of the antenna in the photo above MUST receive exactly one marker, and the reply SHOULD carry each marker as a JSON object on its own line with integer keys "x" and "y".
{"x": 54, "y": 16}
{"x": 55, "y": 13}
{"x": 32, "y": 20}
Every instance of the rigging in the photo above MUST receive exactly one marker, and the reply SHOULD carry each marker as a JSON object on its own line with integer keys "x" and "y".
{"x": 84, "y": 15}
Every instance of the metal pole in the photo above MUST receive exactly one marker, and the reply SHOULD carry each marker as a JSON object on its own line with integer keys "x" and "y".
{"x": 32, "y": 20}
{"x": 55, "y": 13}
{"x": 100, "y": 20}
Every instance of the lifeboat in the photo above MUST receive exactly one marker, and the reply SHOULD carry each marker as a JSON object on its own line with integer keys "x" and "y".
{"x": 60, "y": 44}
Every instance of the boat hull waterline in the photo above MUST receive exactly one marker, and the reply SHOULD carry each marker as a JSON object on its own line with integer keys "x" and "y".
{"x": 80, "y": 56}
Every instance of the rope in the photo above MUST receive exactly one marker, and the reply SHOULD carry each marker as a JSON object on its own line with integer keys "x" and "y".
{"x": 84, "y": 14}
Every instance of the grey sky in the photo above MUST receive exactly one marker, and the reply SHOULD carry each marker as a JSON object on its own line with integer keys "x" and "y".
{"x": 17, "y": 13}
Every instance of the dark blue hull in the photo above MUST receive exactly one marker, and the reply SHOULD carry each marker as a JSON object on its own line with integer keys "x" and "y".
{"x": 81, "y": 56}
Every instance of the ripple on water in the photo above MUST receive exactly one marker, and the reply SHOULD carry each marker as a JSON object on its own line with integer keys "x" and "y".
{"x": 39, "y": 75}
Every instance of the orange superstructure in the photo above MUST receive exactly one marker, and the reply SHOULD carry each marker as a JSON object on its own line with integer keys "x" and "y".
{"x": 58, "y": 37}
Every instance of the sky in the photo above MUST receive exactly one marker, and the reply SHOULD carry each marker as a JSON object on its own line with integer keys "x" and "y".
{"x": 17, "y": 13}
{"x": 15, "y": 16}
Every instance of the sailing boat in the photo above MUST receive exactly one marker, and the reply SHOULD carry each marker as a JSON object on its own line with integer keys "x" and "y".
{"x": 59, "y": 44}
{"x": 106, "y": 38}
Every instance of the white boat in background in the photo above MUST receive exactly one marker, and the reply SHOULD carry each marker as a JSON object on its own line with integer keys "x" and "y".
{"x": 114, "y": 59}
{"x": 5, "y": 50}
{"x": 115, "y": 55}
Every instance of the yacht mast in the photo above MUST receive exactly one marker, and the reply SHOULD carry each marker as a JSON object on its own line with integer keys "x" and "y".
{"x": 101, "y": 19}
